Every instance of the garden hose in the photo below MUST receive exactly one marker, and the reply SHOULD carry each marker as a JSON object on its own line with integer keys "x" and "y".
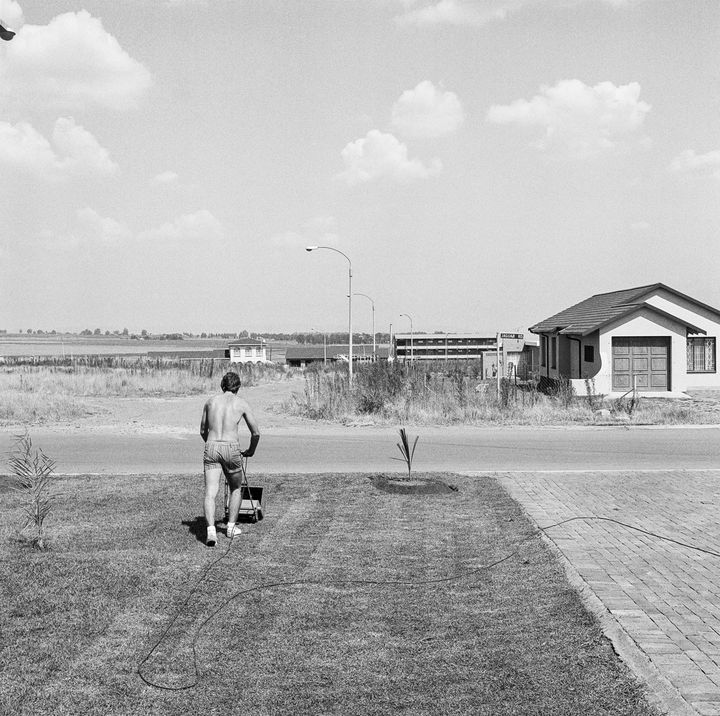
{"x": 360, "y": 582}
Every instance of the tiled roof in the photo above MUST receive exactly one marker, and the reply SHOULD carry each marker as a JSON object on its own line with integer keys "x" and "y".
{"x": 598, "y": 310}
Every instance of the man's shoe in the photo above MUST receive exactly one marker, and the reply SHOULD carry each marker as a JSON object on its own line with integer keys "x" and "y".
{"x": 234, "y": 532}
{"x": 211, "y": 539}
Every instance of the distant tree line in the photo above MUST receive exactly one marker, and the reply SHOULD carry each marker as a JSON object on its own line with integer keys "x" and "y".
{"x": 303, "y": 338}
{"x": 318, "y": 338}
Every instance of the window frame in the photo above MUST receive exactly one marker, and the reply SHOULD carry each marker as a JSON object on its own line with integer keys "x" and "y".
{"x": 690, "y": 354}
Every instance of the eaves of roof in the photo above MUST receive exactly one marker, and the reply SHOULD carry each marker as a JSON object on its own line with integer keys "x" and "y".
{"x": 598, "y": 310}
{"x": 630, "y": 309}
{"x": 653, "y": 287}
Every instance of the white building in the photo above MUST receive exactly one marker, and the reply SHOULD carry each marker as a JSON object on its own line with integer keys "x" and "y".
{"x": 248, "y": 350}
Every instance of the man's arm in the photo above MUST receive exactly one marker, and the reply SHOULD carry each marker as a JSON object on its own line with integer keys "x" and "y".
{"x": 254, "y": 432}
{"x": 204, "y": 423}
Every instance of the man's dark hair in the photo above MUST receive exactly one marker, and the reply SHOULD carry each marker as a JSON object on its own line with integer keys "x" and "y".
{"x": 231, "y": 382}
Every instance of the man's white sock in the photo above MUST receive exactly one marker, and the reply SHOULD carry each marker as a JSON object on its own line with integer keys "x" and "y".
{"x": 230, "y": 527}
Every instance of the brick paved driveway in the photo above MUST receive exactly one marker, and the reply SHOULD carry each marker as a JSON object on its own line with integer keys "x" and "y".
{"x": 664, "y": 597}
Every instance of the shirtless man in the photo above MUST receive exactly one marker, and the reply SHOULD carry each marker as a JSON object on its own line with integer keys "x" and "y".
{"x": 219, "y": 429}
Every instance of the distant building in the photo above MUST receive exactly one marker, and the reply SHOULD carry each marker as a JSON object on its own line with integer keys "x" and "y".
{"x": 303, "y": 355}
{"x": 248, "y": 350}
{"x": 466, "y": 347}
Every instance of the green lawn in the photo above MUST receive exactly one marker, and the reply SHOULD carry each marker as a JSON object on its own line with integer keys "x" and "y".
{"x": 79, "y": 618}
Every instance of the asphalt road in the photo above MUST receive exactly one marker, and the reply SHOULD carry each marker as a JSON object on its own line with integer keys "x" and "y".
{"x": 374, "y": 450}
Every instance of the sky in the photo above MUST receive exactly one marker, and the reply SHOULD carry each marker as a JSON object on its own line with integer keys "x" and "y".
{"x": 483, "y": 164}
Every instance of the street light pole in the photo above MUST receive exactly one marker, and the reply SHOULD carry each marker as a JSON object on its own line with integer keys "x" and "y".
{"x": 412, "y": 357}
{"x": 373, "y": 318}
{"x": 350, "y": 337}
{"x": 324, "y": 346}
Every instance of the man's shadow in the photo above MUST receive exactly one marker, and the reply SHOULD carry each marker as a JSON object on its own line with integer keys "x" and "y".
{"x": 198, "y": 527}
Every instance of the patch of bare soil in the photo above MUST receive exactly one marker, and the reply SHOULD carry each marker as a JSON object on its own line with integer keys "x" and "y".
{"x": 396, "y": 485}
{"x": 177, "y": 415}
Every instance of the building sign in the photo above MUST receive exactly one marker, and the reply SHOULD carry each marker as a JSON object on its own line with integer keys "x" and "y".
{"x": 512, "y": 342}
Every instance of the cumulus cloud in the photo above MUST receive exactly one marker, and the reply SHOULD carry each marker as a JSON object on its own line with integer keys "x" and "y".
{"x": 11, "y": 14}
{"x": 91, "y": 229}
{"x": 577, "y": 120}
{"x": 318, "y": 230}
{"x": 426, "y": 111}
{"x": 477, "y": 12}
{"x": 382, "y": 156}
{"x": 199, "y": 226}
{"x": 81, "y": 152}
{"x": 688, "y": 162}
{"x": 455, "y": 12}
{"x": 101, "y": 228}
{"x": 166, "y": 177}
{"x": 74, "y": 151}
{"x": 70, "y": 63}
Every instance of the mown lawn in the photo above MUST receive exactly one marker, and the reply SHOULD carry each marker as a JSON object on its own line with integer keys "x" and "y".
{"x": 78, "y": 619}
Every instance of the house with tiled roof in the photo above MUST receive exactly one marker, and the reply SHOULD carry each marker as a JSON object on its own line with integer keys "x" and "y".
{"x": 651, "y": 338}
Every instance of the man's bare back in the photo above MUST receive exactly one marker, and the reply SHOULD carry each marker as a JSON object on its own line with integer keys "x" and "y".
{"x": 221, "y": 419}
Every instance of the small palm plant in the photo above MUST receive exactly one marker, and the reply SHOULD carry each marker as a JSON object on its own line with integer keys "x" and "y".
{"x": 33, "y": 471}
{"x": 406, "y": 451}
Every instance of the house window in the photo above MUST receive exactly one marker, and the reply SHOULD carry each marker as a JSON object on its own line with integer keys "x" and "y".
{"x": 701, "y": 355}
{"x": 553, "y": 352}
{"x": 589, "y": 354}
{"x": 543, "y": 350}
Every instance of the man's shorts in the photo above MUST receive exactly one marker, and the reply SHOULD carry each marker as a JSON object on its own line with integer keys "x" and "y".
{"x": 224, "y": 454}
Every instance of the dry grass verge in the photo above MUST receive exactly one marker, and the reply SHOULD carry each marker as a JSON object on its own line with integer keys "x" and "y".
{"x": 508, "y": 639}
{"x": 56, "y": 391}
{"x": 391, "y": 394}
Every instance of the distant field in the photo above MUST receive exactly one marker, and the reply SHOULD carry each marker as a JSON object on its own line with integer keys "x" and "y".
{"x": 17, "y": 345}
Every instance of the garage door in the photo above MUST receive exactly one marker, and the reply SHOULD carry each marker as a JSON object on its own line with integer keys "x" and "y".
{"x": 644, "y": 360}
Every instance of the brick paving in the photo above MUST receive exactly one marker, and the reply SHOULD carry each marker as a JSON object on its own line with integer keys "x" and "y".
{"x": 665, "y": 597}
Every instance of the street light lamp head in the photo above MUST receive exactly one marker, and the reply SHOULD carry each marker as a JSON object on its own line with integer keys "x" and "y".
{"x": 311, "y": 248}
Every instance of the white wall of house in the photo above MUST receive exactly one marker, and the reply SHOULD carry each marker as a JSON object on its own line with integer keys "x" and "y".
{"x": 701, "y": 317}
{"x": 644, "y": 324}
{"x": 248, "y": 354}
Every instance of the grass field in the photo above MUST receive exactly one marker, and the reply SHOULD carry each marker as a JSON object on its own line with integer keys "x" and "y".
{"x": 362, "y": 629}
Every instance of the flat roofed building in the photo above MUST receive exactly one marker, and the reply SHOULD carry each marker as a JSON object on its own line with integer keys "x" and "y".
{"x": 467, "y": 346}
{"x": 442, "y": 346}
{"x": 303, "y": 355}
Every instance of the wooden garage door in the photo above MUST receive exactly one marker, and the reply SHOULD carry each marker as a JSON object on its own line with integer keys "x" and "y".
{"x": 646, "y": 360}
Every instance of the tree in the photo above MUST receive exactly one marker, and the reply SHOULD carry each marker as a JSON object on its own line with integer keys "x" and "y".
{"x": 144, "y": 333}
{"x": 97, "y": 332}
{"x": 125, "y": 331}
